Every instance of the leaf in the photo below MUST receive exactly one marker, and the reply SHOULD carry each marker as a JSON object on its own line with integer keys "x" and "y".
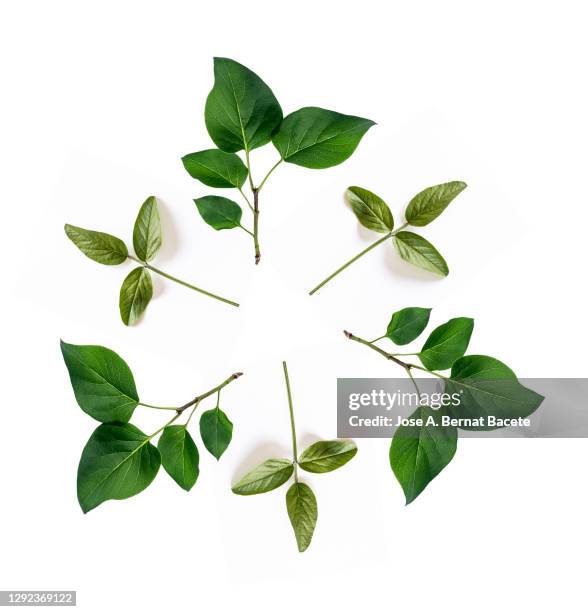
{"x": 327, "y": 455}
{"x": 117, "y": 462}
{"x": 317, "y": 138}
{"x": 102, "y": 382}
{"x": 407, "y": 324}
{"x": 147, "y": 231}
{"x": 488, "y": 387}
{"x": 135, "y": 294}
{"x": 427, "y": 205}
{"x": 420, "y": 252}
{"x": 216, "y": 168}
{"x": 303, "y": 513}
{"x": 447, "y": 343}
{"x": 371, "y": 211}
{"x": 241, "y": 111}
{"x": 418, "y": 453}
{"x": 179, "y": 455}
{"x": 218, "y": 212}
{"x": 103, "y": 248}
{"x": 216, "y": 431}
{"x": 267, "y": 476}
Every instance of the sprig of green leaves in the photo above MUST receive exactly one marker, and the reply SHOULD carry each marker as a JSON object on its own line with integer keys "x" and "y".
{"x": 242, "y": 114}
{"x": 321, "y": 457}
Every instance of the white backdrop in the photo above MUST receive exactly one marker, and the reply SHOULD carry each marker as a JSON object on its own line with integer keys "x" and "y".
{"x": 100, "y": 101}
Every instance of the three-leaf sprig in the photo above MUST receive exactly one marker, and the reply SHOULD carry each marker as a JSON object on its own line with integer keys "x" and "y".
{"x": 119, "y": 460}
{"x": 242, "y": 114}
{"x": 372, "y": 212}
{"x": 486, "y": 386}
{"x": 318, "y": 458}
{"x": 137, "y": 288}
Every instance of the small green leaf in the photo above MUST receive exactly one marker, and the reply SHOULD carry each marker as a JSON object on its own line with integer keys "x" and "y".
{"x": 371, "y": 211}
{"x": 267, "y": 476}
{"x": 216, "y": 431}
{"x": 216, "y": 168}
{"x": 419, "y": 451}
{"x": 420, "y": 252}
{"x": 179, "y": 455}
{"x": 303, "y": 513}
{"x": 218, "y": 212}
{"x": 407, "y": 324}
{"x": 447, "y": 343}
{"x": 241, "y": 111}
{"x": 102, "y": 382}
{"x": 135, "y": 294}
{"x": 317, "y": 138}
{"x": 117, "y": 462}
{"x": 147, "y": 231}
{"x": 327, "y": 455}
{"x": 427, "y": 205}
{"x": 103, "y": 248}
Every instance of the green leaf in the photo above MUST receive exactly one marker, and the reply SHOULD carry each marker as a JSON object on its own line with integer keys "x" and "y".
{"x": 103, "y": 248}
{"x": 147, "y": 231}
{"x": 216, "y": 168}
{"x": 216, "y": 431}
{"x": 327, "y": 455}
{"x": 135, "y": 293}
{"x": 317, "y": 138}
{"x": 407, "y": 324}
{"x": 427, "y": 205}
{"x": 267, "y": 476}
{"x": 371, "y": 211}
{"x": 218, "y": 212}
{"x": 419, "y": 452}
{"x": 420, "y": 252}
{"x": 488, "y": 387}
{"x": 241, "y": 111}
{"x": 117, "y": 462}
{"x": 179, "y": 455}
{"x": 102, "y": 382}
{"x": 447, "y": 343}
{"x": 303, "y": 513}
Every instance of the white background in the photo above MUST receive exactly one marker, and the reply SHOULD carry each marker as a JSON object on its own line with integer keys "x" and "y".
{"x": 99, "y": 102}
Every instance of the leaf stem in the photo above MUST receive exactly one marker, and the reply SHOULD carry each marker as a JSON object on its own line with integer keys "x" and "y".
{"x": 246, "y": 198}
{"x": 256, "y": 225}
{"x": 249, "y": 169}
{"x": 268, "y": 174}
{"x": 292, "y": 424}
{"x": 156, "y": 407}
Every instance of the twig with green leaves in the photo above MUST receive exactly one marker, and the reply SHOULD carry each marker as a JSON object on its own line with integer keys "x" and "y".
{"x": 488, "y": 391}
{"x": 137, "y": 289}
{"x": 119, "y": 460}
{"x": 318, "y": 458}
{"x": 372, "y": 212}
{"x": 242, "y": 114}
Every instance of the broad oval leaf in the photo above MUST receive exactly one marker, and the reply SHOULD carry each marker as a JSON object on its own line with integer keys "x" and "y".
{"x": 488, "y": 388}
{"x": 427, "y": 205}
{"x": 216, "y": 431}
{"x": 303, "y": 513}
{"x": 447, "y": 343}
{"x": 419, "y": 452}
{"x": 371, "y": 211}
{"x": 317, "y": 138}
{"x": 267, "y": 476}
{"x": 218, "y": 212}
{"x": 102, "y": 382}
{"x": 327, "y": 455}
{"x": 420, "y": 252}
{"x": 216, "y": 168}
{"x": 117, "y": 462}
{"x": 135, "y": 294}
{"x": 407, "y": 324}
{"x": 103, "y": 248}
{"x": 241, "y": 111}
{"x": 147, "y": 230}
{"x": 179, "y": 455}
